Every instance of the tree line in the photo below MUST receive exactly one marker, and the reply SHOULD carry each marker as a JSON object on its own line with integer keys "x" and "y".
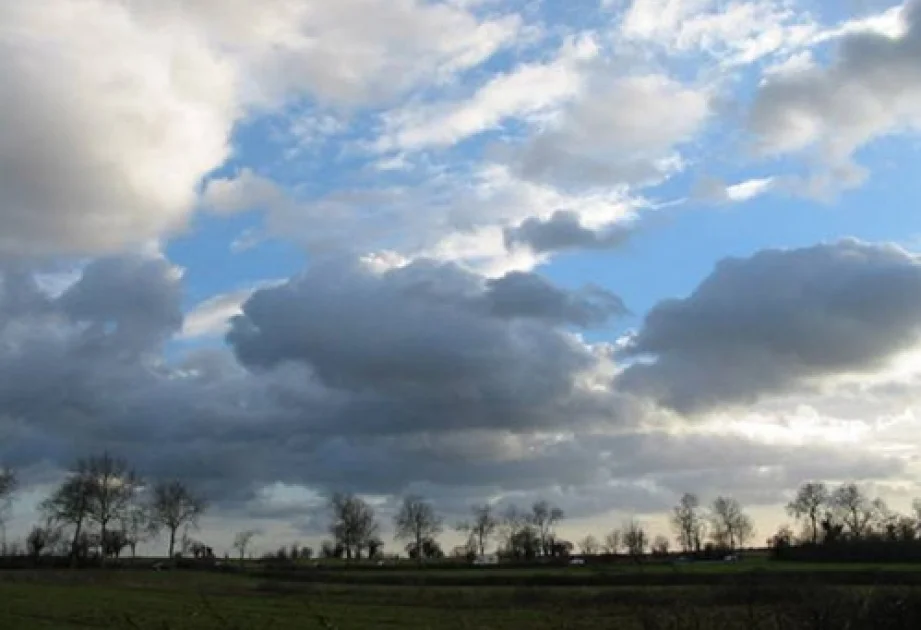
{"x": 103, "y": 507}
{"x": 846, "y": 523}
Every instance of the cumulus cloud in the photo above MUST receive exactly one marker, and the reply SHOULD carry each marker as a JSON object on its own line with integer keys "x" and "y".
{"x": 439, "y": 361}
{"x": 419, "y": 377}
{"x": 78, "y": 73}
{"x": 522, "y": 294}
{"x": 777, "y": 320}
{"x": 871, "y": 88}
{"x": 438, "y": 330}
{"x": 564, "y": 230}
{"x": 335, "y": 355}
{"x": 620, "y": 130}
{"x": 135, "y": 300}
{"x": 115, "y": 111}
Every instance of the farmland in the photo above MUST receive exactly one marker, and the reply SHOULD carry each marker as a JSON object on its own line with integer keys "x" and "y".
{"x": 772, "y": 596}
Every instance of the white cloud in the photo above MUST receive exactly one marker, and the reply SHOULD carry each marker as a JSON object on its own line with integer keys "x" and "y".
{"x": 533, "y": 89}
{"x": 872, "y": 88}
{"x": 736, "y": 32}
{"x": 107, "y": 125}
{"x": 715, "y": 191}
{"x": 463, "y": 221}
{"x": 115, "y": 111}
{"x": 211, "y": 318}
{"x": 347, "y": 52}
{"x": 744, "y": 191}
{"x": 621, "y": 130}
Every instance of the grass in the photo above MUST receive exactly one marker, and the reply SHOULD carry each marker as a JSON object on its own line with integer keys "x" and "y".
{"x": 758, "y": 597}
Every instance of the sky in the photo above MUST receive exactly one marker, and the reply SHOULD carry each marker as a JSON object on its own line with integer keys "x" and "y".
{"x": 601, "y": 252}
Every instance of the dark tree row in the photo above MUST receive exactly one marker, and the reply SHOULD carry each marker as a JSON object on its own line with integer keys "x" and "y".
{"x": 103, "y": 507}
{"x": 845, "y": 523}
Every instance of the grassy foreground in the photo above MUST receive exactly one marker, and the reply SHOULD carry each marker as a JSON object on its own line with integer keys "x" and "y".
{"x": 189, "y": 599}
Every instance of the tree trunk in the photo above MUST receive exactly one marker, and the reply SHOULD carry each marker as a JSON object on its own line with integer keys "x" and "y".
{"x": 74, "y": 542}
{"x": 102, "y": 542}
{"x": 419, "y": 550}
{"x": 172, "y": 541}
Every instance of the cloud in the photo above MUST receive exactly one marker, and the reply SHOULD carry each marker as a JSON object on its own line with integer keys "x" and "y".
{"x": 778, "y": 320}
{"x": 521, "y": 294}
{"x": 105, "y": 134}
{"x": 211, "y": 317}
{"x": 467, "y": 210}
{"x": 871, "y": 88}
{"x": 420, "y": 377}
{"x": 738, "y": 32}
{"x": 242, "y": 191}
{"x": 438, "y": 330}
{"x": 351, "y": 53}
{"x": 116, "y": 111}
{"x": 131, "y": 301}
{"x": 620, "y": 131}
{"x": 715, "y": 191}
{"x": 445, "y": 353}
{"x": 530, "y": 90}
{"x": 420, "y": 351}
{"x": 562, "y": 231}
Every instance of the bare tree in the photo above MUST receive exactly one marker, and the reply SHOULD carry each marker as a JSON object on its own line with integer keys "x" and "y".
{"x": 69, "y": 505}
{"x": 112, "y": 490}
{"x": 612, "y": 541}
{"x": 810, "y": 500}
{"x": 242, "y": 540}
{"x": 353, "y": 523}
{"x": 418, "y": 522}
{"x": 544, "y": 518}
{"x": 731, "y": 527}
{"x": 481, "y": 527}
{"x": 688, "y": 522}
{"x": 660, "y": 545}
{"x": 854, "y": 509}
{"x": 43, "y": 538}
{"x": 589, "y": 545}
{"x": 173, "y": 506}
{"x": 512, "y": 523}
{"x": 8, "y": 483}
{"x": 136, "y": 526}
{"x": 635, "y": 538}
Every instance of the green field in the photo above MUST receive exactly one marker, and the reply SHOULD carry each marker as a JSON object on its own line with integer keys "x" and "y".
{"x": 346, "y": 599}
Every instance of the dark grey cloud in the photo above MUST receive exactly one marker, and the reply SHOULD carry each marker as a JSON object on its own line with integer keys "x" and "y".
{"x": 424, "y": 328}
{"x": 340, "y": 385}
{"x": 521, "y": 294}
{"x": 136, "y": 299}
{"x": 563, "y": 231}
{"x": 775, "y": 320}
{"x": 339, "y": 367}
